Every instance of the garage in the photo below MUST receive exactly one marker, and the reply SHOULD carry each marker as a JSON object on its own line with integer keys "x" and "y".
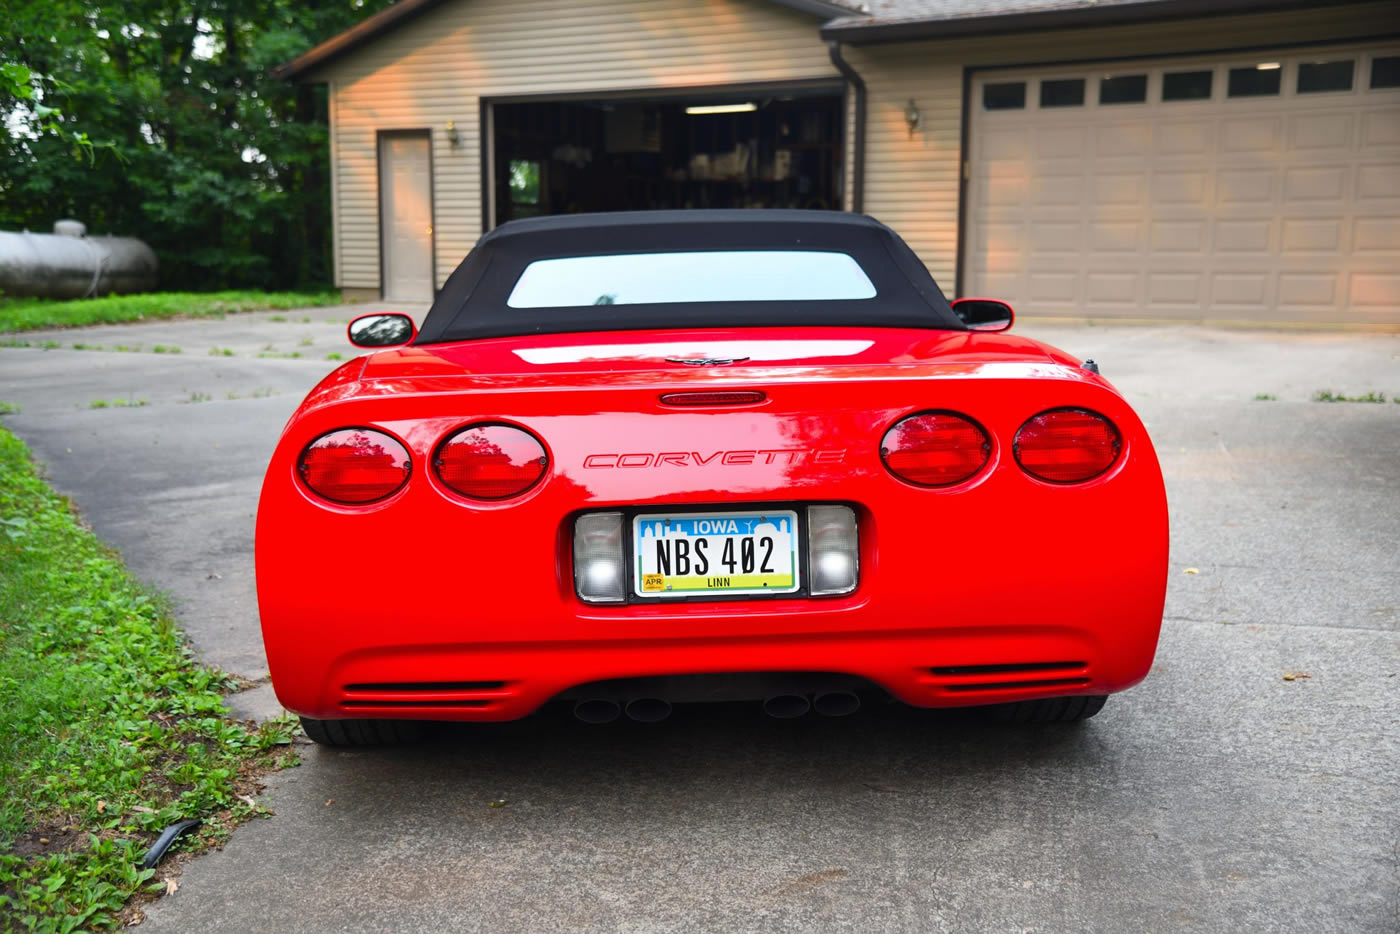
{"x": 1255, "y": 187}
{"x": 738, "y": 148}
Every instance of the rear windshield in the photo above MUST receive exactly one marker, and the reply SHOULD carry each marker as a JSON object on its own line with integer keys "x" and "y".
{"x": 687, "y": 277}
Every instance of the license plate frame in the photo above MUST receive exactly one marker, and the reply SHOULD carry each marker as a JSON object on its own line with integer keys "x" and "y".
{"x": 635, "y": 528}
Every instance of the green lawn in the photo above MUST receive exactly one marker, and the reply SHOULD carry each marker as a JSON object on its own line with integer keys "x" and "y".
{"x": 28, "y": 314}
{"x": 110, "y": 730}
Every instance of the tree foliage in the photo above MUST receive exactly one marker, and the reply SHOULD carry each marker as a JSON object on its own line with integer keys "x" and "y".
{"x": 160, "y": 119}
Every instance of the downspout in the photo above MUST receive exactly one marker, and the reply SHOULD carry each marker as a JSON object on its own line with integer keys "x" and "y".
{"x": 858, "y": 159}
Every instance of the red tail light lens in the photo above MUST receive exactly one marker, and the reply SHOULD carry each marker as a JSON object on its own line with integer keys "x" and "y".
{"x": 491, "y": 461}
{"x": 1067, "y": 445}
{"x": 354, "y": 466}
{"x": 935, "y": 449}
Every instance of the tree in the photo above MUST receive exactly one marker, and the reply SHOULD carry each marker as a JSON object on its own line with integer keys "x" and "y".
{"x": 184, "y": 139}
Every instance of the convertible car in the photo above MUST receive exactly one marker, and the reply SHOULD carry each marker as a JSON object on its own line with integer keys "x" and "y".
{"x": 638, "y": 459}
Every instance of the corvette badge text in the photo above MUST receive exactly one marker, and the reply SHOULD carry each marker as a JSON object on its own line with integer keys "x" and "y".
{"x": 725, "y": 458}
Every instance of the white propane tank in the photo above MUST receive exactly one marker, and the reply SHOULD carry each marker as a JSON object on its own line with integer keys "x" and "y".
{"x": 70, "y": 264}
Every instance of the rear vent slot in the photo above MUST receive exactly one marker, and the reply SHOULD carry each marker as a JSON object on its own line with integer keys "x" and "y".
{"x": 1008, "y": 685}
{"x": 1006, "y": 669}
{"x": 1014, "y": 676}
{"x": 421, "y": 702}
{"x": 398, "y": 686}
{"x": 439, "y": 694}
{"x": 713, "y": 398}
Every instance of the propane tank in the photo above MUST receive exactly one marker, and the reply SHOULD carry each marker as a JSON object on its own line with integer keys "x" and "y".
{"x": 70, "y": 264}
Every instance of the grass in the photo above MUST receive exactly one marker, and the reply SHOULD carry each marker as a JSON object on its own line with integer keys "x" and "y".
{"x": 1327, "y": 395}
{"x": 1265, "y": 397}
{"x": 112, "y": 731}
{"x": 28, "y": 314}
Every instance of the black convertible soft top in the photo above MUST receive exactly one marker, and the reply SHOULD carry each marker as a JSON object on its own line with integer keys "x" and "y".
{"x": 472, "y": 303}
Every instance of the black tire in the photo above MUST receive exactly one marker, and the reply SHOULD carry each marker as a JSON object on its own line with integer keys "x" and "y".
{"x": 362, "y": 732}
{"x": 1049, "y": 710}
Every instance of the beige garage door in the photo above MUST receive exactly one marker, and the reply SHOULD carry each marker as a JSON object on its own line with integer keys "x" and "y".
{"x": 1258, "y": 188}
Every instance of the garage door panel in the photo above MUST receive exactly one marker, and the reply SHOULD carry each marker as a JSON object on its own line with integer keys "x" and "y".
{"x": 1116, "y": 237}
{"x": 1181, "y": 188}
{"x": 1175, "y": 288}
{"x": 1256, "y": 136}
{"x": 1196, "y": 138}
{"x": 1124, "y": 188}
{"x": 1124, "y": 139}
{"x": 1049, "y": 287}
{"x": 1240, "y": 289}
{"x": 1056, "y": 237}
{"x": 1312, "y": 235}
{"x": 1283, "y": 206}
{"x": 1377, "y": 291}
{"x": 1314, "y": 184}
{"x": 1380, "y": 127}
{"x": 1233, "y": 237}
{"x": 1112, "y": 288}
{"x": 1245, "y": 186}
{"x": 1170, "y": 236}
{"x": 1315, "y": 289}
{"x": 1059, "y": 143}
{"x": 1378, "y": 181}
{"x": 1377, "y": 235}
{"x": 1320, "y": 131}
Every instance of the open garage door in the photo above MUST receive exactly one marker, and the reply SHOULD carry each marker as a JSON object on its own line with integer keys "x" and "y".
{"x": 769, "y": 148}
{"x": 1260, "y": 187}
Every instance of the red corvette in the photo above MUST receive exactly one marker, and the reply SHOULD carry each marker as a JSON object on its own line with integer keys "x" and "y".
{"x": 638, "y": 459}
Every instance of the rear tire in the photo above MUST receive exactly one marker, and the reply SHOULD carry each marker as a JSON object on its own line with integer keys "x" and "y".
{"x": 1049, "y": 710}
{"x": 362, "y": 732}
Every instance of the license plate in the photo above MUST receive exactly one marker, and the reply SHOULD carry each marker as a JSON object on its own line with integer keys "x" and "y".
{"x": 708, "y": 553}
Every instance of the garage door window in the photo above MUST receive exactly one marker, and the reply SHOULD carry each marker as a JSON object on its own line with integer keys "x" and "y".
{"x": 1385, "y": 72}
{"x": 1065, "y": 92}
{"x": 1260, "y": 80}
{"x": 1325, "y": 76}
{"x": 1008, "y": 95}
{"x": 1187, "y": 85}
{"x": 1123, "y": 89}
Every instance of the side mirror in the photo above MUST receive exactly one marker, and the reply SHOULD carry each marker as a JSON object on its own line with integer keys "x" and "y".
{"x": 984, "y": 314}
{"x": 381, "y": 330}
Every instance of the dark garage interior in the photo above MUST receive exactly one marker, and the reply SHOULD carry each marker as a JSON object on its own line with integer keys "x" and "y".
{"x": 770, "y": 149}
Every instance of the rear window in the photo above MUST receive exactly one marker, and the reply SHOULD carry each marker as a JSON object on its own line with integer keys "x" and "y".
{"x": 708, "y": 276}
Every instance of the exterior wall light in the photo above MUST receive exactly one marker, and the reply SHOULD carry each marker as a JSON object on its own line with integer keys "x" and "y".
{"x": 454, "y": 139}
{"x": 912, "y": 118}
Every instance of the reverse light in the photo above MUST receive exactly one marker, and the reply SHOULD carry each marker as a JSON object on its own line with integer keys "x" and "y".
{"x": 598, "y": 563}
{"x": 1067, "y": 445}
{"x": 935, "y": 449}
{"x": 491, "y": 461}
{"x": 353, "y": 466}
{"x": 833, "y": 550}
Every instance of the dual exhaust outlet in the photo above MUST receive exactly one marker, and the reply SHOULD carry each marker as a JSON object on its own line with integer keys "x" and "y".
{"x": 779, "y": 707}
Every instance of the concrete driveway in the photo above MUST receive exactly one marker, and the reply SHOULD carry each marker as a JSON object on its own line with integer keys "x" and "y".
{"x": 1220, "y": 795}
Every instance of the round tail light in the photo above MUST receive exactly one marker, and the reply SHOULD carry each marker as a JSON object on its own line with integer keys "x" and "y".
{"x": 935, "y": 449}
{"x": 354, "y": 466}
{"x": 1067, "y": 445}
{"x": 491, "y": 461}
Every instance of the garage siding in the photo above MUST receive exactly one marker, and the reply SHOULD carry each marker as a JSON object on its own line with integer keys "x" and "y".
{"x": 435, "y": 69}
{"x": 912, "y": 180}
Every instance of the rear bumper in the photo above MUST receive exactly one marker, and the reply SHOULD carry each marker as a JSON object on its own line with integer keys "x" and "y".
{"x": 919, "y": 666}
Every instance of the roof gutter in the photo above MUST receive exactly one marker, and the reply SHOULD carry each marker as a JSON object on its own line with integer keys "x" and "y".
{"x": 862, "y": 32}
{"x": 858, "y": 159}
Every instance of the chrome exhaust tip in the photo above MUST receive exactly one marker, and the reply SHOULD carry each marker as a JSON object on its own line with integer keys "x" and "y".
{"x": 836, "y": 704}
{"x": 597, "y": 710}
{"x": 786, "y": 706}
